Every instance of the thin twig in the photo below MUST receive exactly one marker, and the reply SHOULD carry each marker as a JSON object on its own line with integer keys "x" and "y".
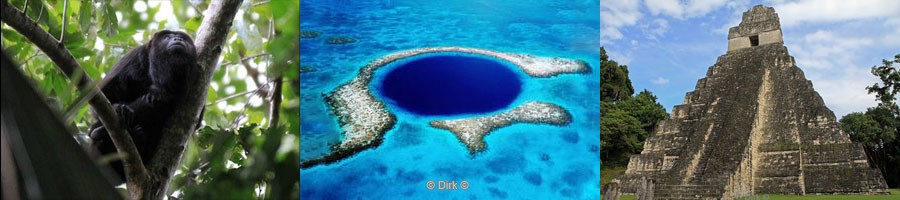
{"x": 199, "y": 12}
{"x": 62, "y": 34}
{"x": 236, "y": 123}
{"x": 40, "y": 14}
{"x": 29, "y": 58}
{"x": 254, "y": 74}
{"x": 275, "y": 106}
{"x": 239, "y": 94}
{"x": 260, "y": 3}
{"x": 246, "y": 58}
{"x": 255, "y": 56}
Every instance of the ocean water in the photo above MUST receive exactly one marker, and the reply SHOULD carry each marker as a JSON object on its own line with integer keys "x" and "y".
{"x": 449, "y": 85}
{"x": 522, "y": 161}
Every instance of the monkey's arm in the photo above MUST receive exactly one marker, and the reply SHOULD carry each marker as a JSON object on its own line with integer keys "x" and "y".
{"x": 127, "y": 77}
{"x": 168, "y": 83}
{"x": 156, "y": 102}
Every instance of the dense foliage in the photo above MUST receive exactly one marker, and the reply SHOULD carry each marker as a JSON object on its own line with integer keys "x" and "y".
{"x": 890, "y": 79}
{"x": 239, "y": 153}
{"x": 626, "y": 121}
{"x": 614, "y": 82}
{"x": 878, "y": 129}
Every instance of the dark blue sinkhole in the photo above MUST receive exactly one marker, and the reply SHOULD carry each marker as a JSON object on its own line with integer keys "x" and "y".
{"x": 451, "y": 85}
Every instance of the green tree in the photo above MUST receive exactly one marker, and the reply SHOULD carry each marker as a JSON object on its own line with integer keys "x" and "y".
{"x": 614, "y": 82}
{"x": 644, "y": 107}
{"x": 887, "y": 91}
{"x": 878, "y": 128}
{"x": 619, "y": 133}
{"x": 625, "y": 121}
{"x": 864, "y": 129}
{"x": 625, "y": 125}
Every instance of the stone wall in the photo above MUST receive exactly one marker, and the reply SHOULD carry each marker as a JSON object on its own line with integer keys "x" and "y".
{"x": 768, "y": 37}
{"x": 759, "y": 21}
{"x": 756, "y": 20}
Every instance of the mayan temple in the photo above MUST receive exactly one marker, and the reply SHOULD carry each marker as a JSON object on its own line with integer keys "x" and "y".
{"x": 753, "y": 125}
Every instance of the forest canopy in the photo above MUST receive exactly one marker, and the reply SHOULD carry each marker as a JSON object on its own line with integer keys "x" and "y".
{"x": 627, "y": 121}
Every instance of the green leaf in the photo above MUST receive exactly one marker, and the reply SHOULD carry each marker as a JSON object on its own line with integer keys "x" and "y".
{"x": 110, "y": 23}
{"x": 81, "y": 113}
{"x": 250, "y": 36}
{"x": 193, "y": 24}
{"x": 85, "y": 15}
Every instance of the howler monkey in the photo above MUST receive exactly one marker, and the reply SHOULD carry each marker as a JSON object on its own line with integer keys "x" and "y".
{"x": 144, "y": 87}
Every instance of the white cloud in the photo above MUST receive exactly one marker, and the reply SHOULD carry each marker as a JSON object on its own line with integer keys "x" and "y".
{"x": 682, "y": 10}
{"x": 622, "y": 59}
{"x": 615, "y": 14}
{"x": 701, "y": 7}
{"x": 656, "y": 28}
{"x": 727, "y": 26}
{"x": 799, "y": 12}
{"x": 891, "y": 39}
{"x": 610, "y": 33}
{"x": 667, "y": 7}
{"x": 738, "y": 4}
{"x": 833, "y": 64}
{"x": 826, "y": 50}
{"x": 660, "y": 81}
{"x": 846, "y": 92}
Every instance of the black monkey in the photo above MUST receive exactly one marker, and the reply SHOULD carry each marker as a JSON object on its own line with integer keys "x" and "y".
{"x": 144, "y": 87}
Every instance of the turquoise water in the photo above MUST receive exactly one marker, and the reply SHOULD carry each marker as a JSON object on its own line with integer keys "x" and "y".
{"x": 523, "y": 161}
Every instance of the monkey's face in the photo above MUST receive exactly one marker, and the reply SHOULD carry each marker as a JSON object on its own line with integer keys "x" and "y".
{"x": 173, "y": 43}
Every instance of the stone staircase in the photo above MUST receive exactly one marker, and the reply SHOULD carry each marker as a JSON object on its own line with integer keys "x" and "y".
{"x": 687, "y": 192}
{"x": 703, "y": 164}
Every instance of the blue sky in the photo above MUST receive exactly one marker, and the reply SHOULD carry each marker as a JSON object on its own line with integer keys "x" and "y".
{"x": 669, "y": 44}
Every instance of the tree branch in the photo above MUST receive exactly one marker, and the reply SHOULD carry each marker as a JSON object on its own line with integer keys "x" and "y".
{"x": 260, "y": 3}
{"x": 62, "y": 34}
{"x": 247, "y": 58}
{"x": 252, "y": 72}
{"x": 256, "y": 91}
{"x": 134, "y": 167}
{"x": 275, "y": 107}
{"x": 211, "y": 35}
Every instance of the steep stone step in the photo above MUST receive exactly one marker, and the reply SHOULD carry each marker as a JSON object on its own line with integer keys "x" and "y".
{"x": 687, "y": 192}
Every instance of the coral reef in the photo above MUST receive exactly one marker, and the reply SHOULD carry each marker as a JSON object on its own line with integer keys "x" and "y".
{"x": 471, "y": 131}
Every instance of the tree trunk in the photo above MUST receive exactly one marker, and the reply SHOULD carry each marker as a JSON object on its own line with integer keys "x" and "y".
{"x": 209, "y": 40}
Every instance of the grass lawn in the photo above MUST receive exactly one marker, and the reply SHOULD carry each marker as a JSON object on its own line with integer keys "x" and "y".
{"x": 608, "y": 173}
{"x": 895, "y": 194}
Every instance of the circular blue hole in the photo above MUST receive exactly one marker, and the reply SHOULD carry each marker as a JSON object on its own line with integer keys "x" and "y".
{"x": 451, "y": 85}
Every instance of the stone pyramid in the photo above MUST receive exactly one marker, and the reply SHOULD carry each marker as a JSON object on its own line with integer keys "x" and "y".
{"x": 753, "y": 125}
